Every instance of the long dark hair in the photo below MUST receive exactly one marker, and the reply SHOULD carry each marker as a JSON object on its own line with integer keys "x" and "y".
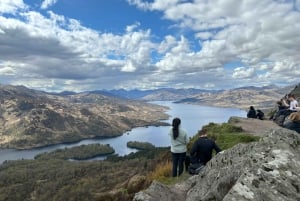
{"x": 176, "y": 122}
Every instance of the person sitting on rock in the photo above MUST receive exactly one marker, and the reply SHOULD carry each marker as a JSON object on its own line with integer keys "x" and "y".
{"x": 251, "y": 113}
{"x": 260, "y": 115}
{"x": 292, "y": 106}
{"x": 293, "y": 122}
{"x": 289, "y": 105}
{"x": 202, "y": 149}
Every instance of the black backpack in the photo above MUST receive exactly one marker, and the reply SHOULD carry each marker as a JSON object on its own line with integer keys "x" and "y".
{"x": 195, "y": 168}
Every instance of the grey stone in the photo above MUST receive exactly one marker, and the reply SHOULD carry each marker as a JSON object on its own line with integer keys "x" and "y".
{"x": 264, "y": 170}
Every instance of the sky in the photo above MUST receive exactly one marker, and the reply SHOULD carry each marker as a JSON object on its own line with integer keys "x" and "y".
{"x": 82, "y": 45}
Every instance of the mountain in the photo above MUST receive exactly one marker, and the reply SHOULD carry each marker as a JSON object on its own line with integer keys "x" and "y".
{"x": 30, "y": 118}
{"x": 260, "y": 97}
{"x": 163, "y": 94}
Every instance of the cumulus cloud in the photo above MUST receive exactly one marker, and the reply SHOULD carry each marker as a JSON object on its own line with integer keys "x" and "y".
{"x": 237, "y": 31}
{"x": 9, "y": 6}
{"x": 54, "y": 52}
{"x": 242, "y": 72}
{"x": 47, "y": 3}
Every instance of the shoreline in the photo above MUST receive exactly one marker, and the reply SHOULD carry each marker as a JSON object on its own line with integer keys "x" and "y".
{"x": 155, "y": 124}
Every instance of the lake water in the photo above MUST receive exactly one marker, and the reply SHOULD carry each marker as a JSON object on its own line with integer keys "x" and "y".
{"x": 193, "y": 117}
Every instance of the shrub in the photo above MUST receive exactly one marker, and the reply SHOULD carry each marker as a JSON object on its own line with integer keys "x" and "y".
{"x": 162, "y": 171}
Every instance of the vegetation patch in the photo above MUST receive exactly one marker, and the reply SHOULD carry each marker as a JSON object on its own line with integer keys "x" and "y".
{"x": 117, "y": 178}
{"x": 225, "y": 135}
{"x": 78, "y": 153}
{"x": 140, "y": 145}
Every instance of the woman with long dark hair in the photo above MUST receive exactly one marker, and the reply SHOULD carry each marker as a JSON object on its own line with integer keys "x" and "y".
{"x": 179, "y": 141}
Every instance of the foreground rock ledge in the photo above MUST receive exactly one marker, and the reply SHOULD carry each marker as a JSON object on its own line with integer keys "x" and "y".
{"x": 264, "y": 170}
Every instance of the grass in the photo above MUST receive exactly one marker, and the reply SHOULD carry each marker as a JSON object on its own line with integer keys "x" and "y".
{"x": 225, "y": 135}
{"x": 163, "y": 174}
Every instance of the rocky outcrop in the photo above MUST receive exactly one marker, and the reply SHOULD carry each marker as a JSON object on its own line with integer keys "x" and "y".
{"x": 264, "y": 170}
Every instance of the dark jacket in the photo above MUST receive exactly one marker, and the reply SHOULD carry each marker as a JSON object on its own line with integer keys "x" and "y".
{"x": 260, "y": 115}
{"x": 292, "y": 125}
{"x": 202, "y": 150}
{"x": 251, "y": 114}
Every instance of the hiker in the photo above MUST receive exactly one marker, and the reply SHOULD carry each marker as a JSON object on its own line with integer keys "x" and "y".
{"x": 293, "y": 122}
{"x": 260, "y": 115}
{"x": 293, "y": 103}
{"x": 251, "y": 113}
{"x": 179, "y": 141}
{"x": 289, "y": 108}
{"x": 202, "y": 149}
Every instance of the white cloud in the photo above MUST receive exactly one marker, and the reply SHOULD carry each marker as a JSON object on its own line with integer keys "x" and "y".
{"x": 11, "y": 6}
{"x": 7, "y": 71}
{"x": 131, "y": 28}
{"x": 47, "y": 3}
{"x": 129, "y": 67}
{"x": 237, "y": 31}
{"x": 53, "y": 47}
{"x": 242, "y": 73}
{"x": 204, "y": 35}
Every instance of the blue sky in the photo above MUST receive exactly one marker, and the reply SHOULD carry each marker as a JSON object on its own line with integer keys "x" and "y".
{"x": 79, "y": 45}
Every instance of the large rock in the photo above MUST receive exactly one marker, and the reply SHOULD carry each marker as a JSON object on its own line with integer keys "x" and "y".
{"x": 264, "y": 170}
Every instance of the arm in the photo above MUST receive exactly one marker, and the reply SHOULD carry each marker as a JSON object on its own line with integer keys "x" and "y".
{"x": 285, "y": 103}
{"x": 194, "y": 148}
{"x": 217, "y": 149}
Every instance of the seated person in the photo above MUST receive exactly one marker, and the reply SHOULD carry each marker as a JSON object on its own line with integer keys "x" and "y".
{"x": 293, "y": 122}
{"x": 291, "y": 107}
{"x": 202, "y": 149}
{"x": 251, "y": 113}
{"x": 260, "y": 115}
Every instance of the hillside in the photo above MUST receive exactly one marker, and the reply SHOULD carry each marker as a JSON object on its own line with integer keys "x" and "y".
{"x": 52, "y": 179}
{"x": 30, "y": 118}
{"x": 296, "y": 91}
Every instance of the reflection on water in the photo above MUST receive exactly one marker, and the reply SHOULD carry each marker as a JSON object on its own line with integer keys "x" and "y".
{"x": 193, "y": 117}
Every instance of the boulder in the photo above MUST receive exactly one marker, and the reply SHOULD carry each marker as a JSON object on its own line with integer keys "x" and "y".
{"x": 264, "y": 170}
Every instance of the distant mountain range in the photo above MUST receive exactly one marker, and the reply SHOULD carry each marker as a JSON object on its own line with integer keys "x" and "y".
{"x": 260, "y": 97}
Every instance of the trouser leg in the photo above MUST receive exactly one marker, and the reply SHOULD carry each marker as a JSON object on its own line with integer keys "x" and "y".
{"x": 175, "y": 159}
{"x": 181, "y": 162}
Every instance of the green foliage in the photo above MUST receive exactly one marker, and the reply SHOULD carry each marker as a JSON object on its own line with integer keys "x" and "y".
{"x": 226, "y": 135}
{"x": 140, "y": 145}
{"x": 56, "y": 180}
{"x": 78, "y": 153}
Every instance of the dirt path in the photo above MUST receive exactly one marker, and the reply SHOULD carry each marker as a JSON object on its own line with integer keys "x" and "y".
{"x": 254, "y": 126}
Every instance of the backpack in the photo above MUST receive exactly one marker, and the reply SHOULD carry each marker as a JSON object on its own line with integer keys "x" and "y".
{"x": 195, "y": 168}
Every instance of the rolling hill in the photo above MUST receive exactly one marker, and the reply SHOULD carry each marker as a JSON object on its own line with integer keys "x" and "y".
{"x": 30, "y": 118}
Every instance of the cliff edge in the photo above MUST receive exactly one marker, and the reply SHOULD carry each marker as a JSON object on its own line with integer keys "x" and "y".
{"x": 265, "y": 170}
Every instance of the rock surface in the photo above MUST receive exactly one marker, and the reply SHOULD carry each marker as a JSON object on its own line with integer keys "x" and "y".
{"x": 264, "y": 170}
{"x": 254, "y": 126}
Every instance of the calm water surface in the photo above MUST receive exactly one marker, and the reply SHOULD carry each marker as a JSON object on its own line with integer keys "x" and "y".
{"x": 193, "y": 117}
